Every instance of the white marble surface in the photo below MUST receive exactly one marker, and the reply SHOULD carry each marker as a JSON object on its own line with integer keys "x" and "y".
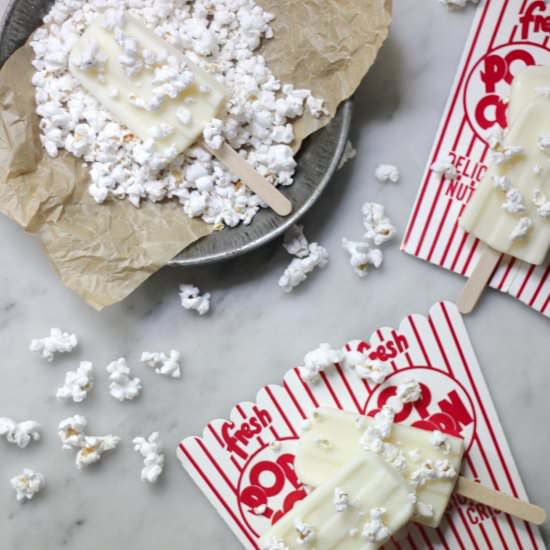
{"x": 254, "y": 333}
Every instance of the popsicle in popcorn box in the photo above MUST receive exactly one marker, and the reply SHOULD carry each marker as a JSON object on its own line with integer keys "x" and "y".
{"x": 286, "y": 470}
{"x": 481, "y": 207}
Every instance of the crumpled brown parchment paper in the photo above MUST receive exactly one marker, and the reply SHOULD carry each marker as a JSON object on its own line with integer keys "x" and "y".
{"x": 104, "y": 252}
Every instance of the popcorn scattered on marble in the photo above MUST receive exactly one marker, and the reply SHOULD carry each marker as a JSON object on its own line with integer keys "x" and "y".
{"x": 77, "y": 384}
{"x": 153, "y": 457}
{"x": 379, "y": 228}
{"x": 71, "y": 431}
{"x": 19, "y": 433}
{"x": 362, "y": 255}
{"x": 385, "y": 173}
{"x": 299, "y": 268}
{"x": 93, "y": 447}
{"x": 220, "y": 37}
{"x": 122, "y": 386}
{"x": 57, "y": 342}
{"x": 191, "y": 299}
{"x": 89, "y": 448}
{"x": 28, "y": 484}
{"x": 167, "y": 365}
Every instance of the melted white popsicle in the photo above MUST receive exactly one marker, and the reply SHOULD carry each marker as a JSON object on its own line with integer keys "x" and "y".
{"x": 358, "y": 508}
{"x": 130, "y": 70}
{"x": 510, "y": 210}
{"x": 531, "y": 83}
{"x": 340, "y": 433}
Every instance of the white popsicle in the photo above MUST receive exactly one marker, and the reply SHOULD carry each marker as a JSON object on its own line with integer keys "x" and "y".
{"x": 510, "y": 210}
{"x": 159, "y": 94}
{"x": 358, "y": 508}
{"x": 149, "y": 85}
{"x": 334, "y": 440}
{"x": 529, "y": 84}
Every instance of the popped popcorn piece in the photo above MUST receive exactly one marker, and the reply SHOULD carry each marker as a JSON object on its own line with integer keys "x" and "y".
{"x": 93, "y": 447}
{"x": 409, "y": 391}
{"x": 27, "y": 484}
{"x": 19, "y": 433}
{"x": 299, "y": 268}
{"x": 295, "y": 242}
{"x": 495, "y": 137}
{"x": 542, "y": 203}
{"x": 91, "y": 58}
{"x": 502, "y": 182}
{"x": 429, "y": 470}
{"x": 220, "y": 37}
{"x": 507, "y": 154}
{"x": 514, "y": 202}
{"x": 306, "y": 533}
{"x": 377, "y": 431}
{"x": 349, "y": 154}
{"x": 122, "y": 386}
{"x": 71, "y": 432}
{"x": 213, "y": 134}
{"x": 537, "y": 170}
{"x": 544, "y": 142}
{"x": 375, "y": 530}
{"x": 522, "y": 229}
{"x": 441, "y": 441}
{"x": 153, "y": 457}
{"x": 379, "y": 227}
{"x": 387, "y": 172}
{"x": 445, "y": 168}
{"x": 191, "y": 299}
{"x": 162, "y": 363}
{"x": 341, "y": 500}
{"x": 362, "y": 255}
{"x": 161, "y": 131}
{"x": 77, "y": 383}
{"x": 373, "y": 370}
{"x": 318, "y": 360}
{"x": 57, "y": 342}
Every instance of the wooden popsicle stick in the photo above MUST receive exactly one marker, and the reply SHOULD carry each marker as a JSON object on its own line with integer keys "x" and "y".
{"x": 478, "y": 280}
{"x": 500, "y": 501}
{"x": 251, "y": 178}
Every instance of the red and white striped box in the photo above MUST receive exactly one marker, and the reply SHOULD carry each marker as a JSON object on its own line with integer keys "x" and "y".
{"x": 237, "y": 466}
{"x": 506, "y": 36}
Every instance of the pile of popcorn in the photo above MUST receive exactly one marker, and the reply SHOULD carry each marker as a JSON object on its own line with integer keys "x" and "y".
{"x": 222, "y": 37}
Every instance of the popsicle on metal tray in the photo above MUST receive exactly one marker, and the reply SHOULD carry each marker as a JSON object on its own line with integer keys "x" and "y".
{"x": 159, "y": 94}
{"x": 360, "y": 506}
{"x": 510, "y": 210}
{"x": 428, "y": 462}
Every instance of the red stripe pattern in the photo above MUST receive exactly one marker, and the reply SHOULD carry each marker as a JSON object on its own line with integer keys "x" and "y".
{"x": 433, "y": 233}
{"x": 244, "y": 465}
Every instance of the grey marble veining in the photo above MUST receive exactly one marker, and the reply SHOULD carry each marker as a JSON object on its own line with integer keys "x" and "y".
{"x": 255, "y": 332}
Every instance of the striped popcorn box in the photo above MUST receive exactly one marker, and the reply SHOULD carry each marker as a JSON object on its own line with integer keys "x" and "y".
{"x": 506, "y": 36}
{"x": 244, "y": 464}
